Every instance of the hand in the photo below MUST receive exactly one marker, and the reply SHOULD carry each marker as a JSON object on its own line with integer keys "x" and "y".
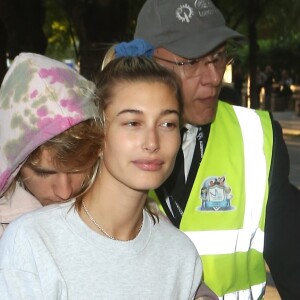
{"x": 205, "y": 293}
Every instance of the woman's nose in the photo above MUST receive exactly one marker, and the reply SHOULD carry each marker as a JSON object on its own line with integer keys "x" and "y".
{"x": 151, "y": 142}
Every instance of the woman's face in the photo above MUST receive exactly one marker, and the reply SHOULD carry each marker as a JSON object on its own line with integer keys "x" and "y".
{"x": 142, "y": 134}
{"x": 48, "y": 184}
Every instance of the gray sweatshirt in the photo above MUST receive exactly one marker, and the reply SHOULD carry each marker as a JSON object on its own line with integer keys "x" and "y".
{"x": 52, "y": 254}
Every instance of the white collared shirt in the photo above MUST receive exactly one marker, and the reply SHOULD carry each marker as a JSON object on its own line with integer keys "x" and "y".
{"x": 188, "y": 147}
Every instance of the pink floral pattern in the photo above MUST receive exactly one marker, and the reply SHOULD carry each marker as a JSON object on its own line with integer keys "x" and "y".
{"x": 39, "y": 98}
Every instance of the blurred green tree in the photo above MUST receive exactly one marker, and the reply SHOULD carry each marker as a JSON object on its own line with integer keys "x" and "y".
{"x": 272, "y": 30}
{"x": 83, "y": 30}
{"x": 62, "y": 41}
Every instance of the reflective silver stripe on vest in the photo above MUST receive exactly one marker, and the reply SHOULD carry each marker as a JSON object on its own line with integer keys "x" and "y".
{"x": 250, "y": 236}
{"x": 226, "y": 241}
{"x": 255, "y": 164}
{"x": 253, "y": 294}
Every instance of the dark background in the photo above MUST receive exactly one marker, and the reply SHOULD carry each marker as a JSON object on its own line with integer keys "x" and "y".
{"x": 84, "y": 29}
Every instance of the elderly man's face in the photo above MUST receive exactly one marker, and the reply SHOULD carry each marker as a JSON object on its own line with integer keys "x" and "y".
{"x": 201, "y": 82}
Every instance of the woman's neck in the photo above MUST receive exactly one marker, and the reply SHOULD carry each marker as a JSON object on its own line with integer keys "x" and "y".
{"x": 116, "y": 211}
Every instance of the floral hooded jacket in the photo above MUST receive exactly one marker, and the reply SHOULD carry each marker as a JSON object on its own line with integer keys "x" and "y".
{"x": 39, "y": 99}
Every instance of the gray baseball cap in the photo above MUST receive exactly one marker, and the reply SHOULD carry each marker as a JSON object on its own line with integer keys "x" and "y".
{"x": 188, "y": 28}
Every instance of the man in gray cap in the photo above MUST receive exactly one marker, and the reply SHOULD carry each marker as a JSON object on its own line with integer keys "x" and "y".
{"x": 230, "y": 190}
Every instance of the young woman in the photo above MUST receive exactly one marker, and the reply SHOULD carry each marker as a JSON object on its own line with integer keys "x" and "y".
{"x": 47, "y": 118}
{"x": 106, "y": 243}
{"x": 141, "y": 47}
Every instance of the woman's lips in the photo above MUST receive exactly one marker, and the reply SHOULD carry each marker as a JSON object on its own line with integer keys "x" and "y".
{"x": 148, "y": 164}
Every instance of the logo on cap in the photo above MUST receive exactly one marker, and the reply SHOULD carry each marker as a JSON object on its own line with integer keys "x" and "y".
{"x": 205, "y": 7}
{"x": 184, "y": 13}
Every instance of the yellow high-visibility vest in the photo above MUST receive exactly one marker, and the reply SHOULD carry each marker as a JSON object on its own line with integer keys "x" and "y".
{"x": 225, "y": 212}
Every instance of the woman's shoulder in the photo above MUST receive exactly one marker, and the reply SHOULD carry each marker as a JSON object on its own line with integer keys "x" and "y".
{"x": 171, "y": 236}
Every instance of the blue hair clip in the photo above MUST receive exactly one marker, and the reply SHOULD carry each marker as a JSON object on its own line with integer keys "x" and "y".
{"x": 136, "y": 47}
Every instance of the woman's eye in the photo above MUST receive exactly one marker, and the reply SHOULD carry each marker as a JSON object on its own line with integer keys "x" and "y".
{"x": 132, "y": 123}
{"x": 169, "y": 125}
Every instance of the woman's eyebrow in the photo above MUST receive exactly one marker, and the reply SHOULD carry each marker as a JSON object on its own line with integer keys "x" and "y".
{"x": 170, "y": 111}
{"x": 130, "y": 111}
{"x": 137, "y": 111}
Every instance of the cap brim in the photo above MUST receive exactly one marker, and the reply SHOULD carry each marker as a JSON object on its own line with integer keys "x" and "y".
{"x": 204, "y": 42}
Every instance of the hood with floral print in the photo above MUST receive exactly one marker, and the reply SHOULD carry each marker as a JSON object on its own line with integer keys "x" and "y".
{"x": 39, "y": 99}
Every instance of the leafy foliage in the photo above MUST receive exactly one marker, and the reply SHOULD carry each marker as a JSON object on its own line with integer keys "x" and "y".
{"x": 59, "y": 32}
{"x": 277, "y": 24}
{"x": 276, "y": 21}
